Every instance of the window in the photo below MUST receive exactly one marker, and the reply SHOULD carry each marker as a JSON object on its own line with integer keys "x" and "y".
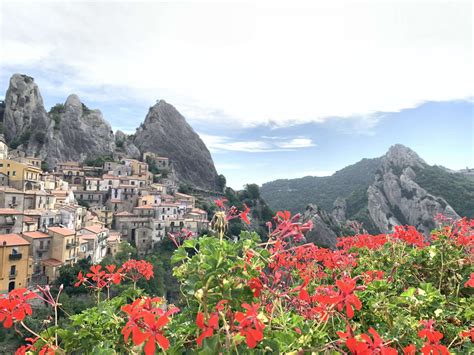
{"x": 13, "y": 199}
{"x": 15, "y": 251}
{"x": 13, "y": 270}
{"x": 41, "y": 244}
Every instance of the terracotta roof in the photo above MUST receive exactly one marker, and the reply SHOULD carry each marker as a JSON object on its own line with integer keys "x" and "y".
{"x": 113, "y": 238}
{"x": 36, "y": 235}
{"x": 51, "y": 262}
{"x": 88, "y": 236}
{"x": 29, "y": 220}
{"x": 12, "y": 240}
{"x": 9, "y": 211}
{"x": 33, "y": 212}
{"x": 97, "y": 228}
{"x": 61, "y": 230}
{"x": 124, "y": 213}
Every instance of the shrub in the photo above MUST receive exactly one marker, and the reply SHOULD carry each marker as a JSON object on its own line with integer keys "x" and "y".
{"x": 374, "y": 294}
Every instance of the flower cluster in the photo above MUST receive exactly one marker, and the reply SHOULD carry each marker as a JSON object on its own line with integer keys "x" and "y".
{"x": 98, "y": 278}
{"x": 14, "y": 307}
{"x": 247, "y": 324}
{"x": 147, "y": 319}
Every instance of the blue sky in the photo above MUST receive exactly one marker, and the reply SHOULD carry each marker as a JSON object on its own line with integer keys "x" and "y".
{"x": 339, "y": 81}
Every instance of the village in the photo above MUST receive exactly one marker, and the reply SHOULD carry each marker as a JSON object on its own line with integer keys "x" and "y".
{"x": 51, "y": 219}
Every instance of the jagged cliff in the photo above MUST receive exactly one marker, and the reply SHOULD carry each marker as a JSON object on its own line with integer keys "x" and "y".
{"x": 397, "y": 188}
{"x": 166, "y": 132}
{"x": 395, "y": 198}
{"x": 72, "y": 131}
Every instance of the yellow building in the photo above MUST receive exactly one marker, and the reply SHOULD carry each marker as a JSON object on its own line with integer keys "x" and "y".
{"x": 15, "y": 264}
{"x": 64, "y": 250}
{"x": 21, "y": 176}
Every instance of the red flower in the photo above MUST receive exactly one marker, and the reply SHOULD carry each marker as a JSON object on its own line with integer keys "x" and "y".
{"x": 208, "y": 326}
{"x": 468, "y": 333}
{"x": 135, "y": 269}
{"x": 255, "y": 285}
{"x": 409, "y": 350}
{"x": 221, "y": 203}
{"x": 249, "y": 325}
{"x": 470, "y": 282}
{"x": 15, "y": 307}
{"x": 80, "y": 279}
{"x": 146, "y": 322}
{"x": 368, "y": 345}
{"x": 349, "y": 300}
{"x": 244, "y": 214}
{"x": 433, "y": 337}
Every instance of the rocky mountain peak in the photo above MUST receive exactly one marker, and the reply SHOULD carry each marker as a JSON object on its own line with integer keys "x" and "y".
{"x": 166, "y": 132}
{"x": 73, "y": 102}
{"x": 401, "y": 156}
{"x": 24, "y": 108}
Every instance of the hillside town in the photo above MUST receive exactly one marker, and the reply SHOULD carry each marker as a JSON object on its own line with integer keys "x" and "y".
{"x": 74, "y": 212}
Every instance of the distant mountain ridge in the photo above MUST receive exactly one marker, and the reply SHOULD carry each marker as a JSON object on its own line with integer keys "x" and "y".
{"x": 72, "y": 131}
{"x": 397, "y": 188}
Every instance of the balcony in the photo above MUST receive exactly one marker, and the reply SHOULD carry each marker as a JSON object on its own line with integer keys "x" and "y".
{"x": 14, "y": 256}
{"x": 71, "y": 245}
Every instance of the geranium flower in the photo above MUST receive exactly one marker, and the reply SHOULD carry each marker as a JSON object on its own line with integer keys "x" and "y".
{"x": 249, "y": 325}
{"x": 244, "y": 214}
{"x": 208, "y": 326}
{"x": 349, "y": 300}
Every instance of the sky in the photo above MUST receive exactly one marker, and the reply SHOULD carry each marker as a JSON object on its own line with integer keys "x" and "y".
{"x": 276, "y": 89}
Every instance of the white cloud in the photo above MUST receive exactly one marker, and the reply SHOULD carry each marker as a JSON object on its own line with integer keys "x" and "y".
{"x": 278, "y": 62}
{"x": 297, "y": 143}
{"x": 222, "y": 144}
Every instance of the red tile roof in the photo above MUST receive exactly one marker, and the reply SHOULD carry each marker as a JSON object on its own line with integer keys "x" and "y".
{"x": 12, "y": 240}
{"x": 51, "y": 262}
{"x": 36, "y": 235}
{"x": 9, "y": 211}
{"x": 61, "y": 230}
{"x": 96, "y": 228}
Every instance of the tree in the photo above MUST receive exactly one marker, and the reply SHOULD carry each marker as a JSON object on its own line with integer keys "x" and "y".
{"x": 253, "y": 191}
{"x": 221, "y": 182}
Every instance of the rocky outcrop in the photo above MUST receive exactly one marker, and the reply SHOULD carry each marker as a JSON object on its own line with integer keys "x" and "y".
{"x": 71, "y": 131}
{"x": 125, "y": 145}
{"x": 324, "y": 227}
{"x": 166, "y": 132}
{"x": 79, "y": 133}
{"x": 339, "y": 210}
{"x": 395, "y": 198}
{"x": 25, "y": 121}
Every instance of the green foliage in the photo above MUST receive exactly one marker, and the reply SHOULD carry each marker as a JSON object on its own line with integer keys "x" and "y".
{"x": 98, "y": 161}
{"x": 456, "y": 189}
{"x": 85, "y": 110}
{"x": 295, "y": 194}
{"x": 221, "y": 182}
{"x": 44, "y": 166}
{"x": 22, "y": 139}
{"x": 55, "y": 113}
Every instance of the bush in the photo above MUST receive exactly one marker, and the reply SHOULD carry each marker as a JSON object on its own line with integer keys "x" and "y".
{"x": 382, "y": 294}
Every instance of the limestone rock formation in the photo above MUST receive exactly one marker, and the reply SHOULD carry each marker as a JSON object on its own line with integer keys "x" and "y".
{"x": 166, "y": 132}
{"x": 395, "y": 198}
{"x": 71, "y": 131}
{"x": 25, "y": 120}
{"x": 78, "y": 133}
{"x": 324, "y": 231}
